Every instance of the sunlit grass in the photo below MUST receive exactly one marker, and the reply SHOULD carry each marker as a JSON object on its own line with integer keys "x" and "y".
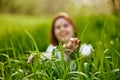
{"x": 21, "y": 35}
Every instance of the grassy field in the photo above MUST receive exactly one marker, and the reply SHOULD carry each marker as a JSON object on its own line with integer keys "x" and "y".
{"x": 103, "y": 32}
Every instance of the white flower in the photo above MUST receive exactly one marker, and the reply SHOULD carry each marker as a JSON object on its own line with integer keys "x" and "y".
{"x": 86, "y": 49}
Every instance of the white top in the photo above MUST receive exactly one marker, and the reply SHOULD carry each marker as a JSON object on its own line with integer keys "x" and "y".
{"x": 50, "y": 48}
{"x": 84, "y": 49}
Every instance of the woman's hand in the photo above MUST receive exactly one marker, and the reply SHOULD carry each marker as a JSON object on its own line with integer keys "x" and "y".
{"x": 72, "y": 44}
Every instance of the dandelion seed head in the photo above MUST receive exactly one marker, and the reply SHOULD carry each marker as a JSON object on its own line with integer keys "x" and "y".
{"x": 86, "y": 49}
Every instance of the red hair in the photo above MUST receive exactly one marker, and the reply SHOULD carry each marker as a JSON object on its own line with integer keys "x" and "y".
{"x": 65, "y": 16}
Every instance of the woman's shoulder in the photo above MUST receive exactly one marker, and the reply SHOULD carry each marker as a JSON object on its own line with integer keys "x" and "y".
{"x": 50, "y": 48}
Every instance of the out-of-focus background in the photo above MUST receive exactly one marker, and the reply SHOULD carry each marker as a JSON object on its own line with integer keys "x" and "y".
{"x": 51, "y": 7}
{"x": 36, "y": 17}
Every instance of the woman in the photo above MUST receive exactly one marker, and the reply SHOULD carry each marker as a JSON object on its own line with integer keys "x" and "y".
{"x": 64, "y": 31}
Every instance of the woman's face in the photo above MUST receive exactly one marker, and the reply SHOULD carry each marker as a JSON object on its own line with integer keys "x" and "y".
{"x": 63, "y": 30}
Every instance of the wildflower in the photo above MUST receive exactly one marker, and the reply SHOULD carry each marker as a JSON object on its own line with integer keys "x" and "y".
{"x": 31, "y": 58}
{"x": 86, "y": 49}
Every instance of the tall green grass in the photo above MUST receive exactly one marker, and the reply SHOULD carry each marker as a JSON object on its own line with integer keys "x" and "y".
{"x": 21, "y": 35}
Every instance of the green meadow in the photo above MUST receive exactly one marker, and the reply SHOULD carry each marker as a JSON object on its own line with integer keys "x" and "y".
{"x": 21, "y": 35}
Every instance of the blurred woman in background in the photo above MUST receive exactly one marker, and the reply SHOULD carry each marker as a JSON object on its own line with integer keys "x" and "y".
{"x": 64, "y": 30}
